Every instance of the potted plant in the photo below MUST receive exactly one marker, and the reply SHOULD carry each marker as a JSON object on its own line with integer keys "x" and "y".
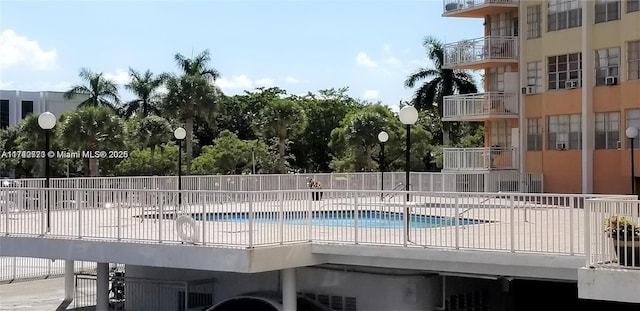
{"x": 626, "y": 239}
{"x": 312, "y": 184}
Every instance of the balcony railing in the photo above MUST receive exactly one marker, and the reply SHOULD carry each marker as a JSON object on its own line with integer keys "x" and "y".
{"x": 481, "y": 50}
{"x": 453, "y": 6}
{"x": 480, "y": 106}
{"x": 482, "y": 159}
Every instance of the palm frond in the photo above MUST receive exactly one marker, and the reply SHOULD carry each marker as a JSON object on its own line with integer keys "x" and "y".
{"x": 420, "y": 74}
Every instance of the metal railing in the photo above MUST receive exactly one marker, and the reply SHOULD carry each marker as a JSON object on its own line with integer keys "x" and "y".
{"x": 613, "y": 233}
{"x": 14, "y": 269}
{"x": 420, "y": 181}
{"x": 481, "y": 49}
{"x": 478, "y": 106}
{"x": 147, "y": 294}
{"x": 457, "y": 5}
{"x": 512, "y": 222}
{"x": 487, "y": 158}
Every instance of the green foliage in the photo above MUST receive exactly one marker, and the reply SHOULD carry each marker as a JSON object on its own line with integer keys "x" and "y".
{"x": 230, "y": 155}
{"x": 165, "y": 162}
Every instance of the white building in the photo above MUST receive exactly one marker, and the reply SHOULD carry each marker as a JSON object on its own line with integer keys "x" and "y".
{"x": 16, "y": 105}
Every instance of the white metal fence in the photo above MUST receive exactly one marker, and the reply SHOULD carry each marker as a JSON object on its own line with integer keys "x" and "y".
{"x": 419, "y": 181}
{"x": 25, "y": 268}
{"x": 487, "y": 158}
{"x": 613, "y": 236}
{"x": 481, "y": 49}
{"x": 32, "y": 200}
{"x": 480, "y": 106}
{"x": 456, "y": 5}
{"x": 514, "y": 222}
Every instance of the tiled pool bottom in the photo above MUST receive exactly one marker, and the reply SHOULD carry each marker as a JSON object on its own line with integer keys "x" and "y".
{"x": 365, "y": 219}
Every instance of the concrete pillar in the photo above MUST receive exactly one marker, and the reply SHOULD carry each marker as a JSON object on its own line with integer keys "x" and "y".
{"x": 289, "y": 296}
{"x": 102, "y": 287}
{"x": 588, "y": 124}
{"x": 69, "y": 280}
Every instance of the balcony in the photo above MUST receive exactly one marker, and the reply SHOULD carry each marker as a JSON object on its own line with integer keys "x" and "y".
{"x": 480, "y": 107}
{"x": 477, "y": 8}
{"x": 480, "y": 159}
{"x": 480, "y": 53}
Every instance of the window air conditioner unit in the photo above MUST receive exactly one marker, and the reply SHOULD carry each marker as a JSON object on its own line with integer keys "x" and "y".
{"x": 561, "y": 146}
{"x": 571, "y": 84}
{"x": 619, "y": 145}
{"x": 528, "y": 90}
{"x": 611, "y": 80}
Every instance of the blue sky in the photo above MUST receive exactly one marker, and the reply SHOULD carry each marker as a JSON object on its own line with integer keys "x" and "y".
{"x": 369, "y": 46}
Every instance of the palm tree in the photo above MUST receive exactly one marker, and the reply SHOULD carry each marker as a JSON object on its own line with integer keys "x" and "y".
{"x": 101, "y": 91}
{"x": 443, "y": 82}
{"x": 153, "y": 132}
{"x": 282, "y": 119}
{"x": 194, "y": 88}
{"x": 145, "y": 86}
{"x": 92, "y": 129}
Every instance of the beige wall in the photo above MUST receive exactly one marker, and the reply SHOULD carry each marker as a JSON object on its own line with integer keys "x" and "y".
{"x": 562, "y": 169}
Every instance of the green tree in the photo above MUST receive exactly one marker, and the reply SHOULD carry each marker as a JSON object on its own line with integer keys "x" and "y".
{"x": 92, "y": 129}
{"x": 100, "y": 91}
{"x": 230, "y": 155}
{"x": 192, "y": 93}
{"x": 324, "y": 112}
{"x": 282, "y": 118}
{"x": 442, "y": 82}
{"x": 138, "y": 162}
{"x": 153, "y": 132}
{"x": 145, "y": 86}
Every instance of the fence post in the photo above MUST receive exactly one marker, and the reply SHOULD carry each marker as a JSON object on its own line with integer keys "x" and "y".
{"x": 512, "y": 223}
{"x": 281, "y": 216}
{"x": 251, "y": 219}
{"x": 587, "y": 232}
{"x": 355, "y": 218}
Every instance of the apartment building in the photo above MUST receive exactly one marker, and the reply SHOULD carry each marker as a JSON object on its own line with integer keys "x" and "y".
{"x": 16, "y": 105}
{"x": 562, "y": 84}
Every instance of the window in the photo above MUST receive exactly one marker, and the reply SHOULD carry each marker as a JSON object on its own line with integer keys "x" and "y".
{"x": 4, "y": 114}
{"x": 534, "y": 26}
{"x": 564, "y": 132}
{"x": 633, "y": 6}
{"x": 534, "y": 76}
{"x": 607, "y": 130}
{"x": 607, "y": 10}
{"x": 27, "y": 108}
{"x": 534, "y": 134}
{"x": 607, "y": 64}
{"x": 496, "y": 79}
{"x": 564, "y": 68}
{"x": 563, "y": 14}
{"x": 633, "y": 54}
{"x": 633, "y": 119}
{"x": 500, "y": 134}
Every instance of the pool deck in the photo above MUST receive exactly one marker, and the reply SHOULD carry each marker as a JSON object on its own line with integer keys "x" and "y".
{"x": 511, "y": 226}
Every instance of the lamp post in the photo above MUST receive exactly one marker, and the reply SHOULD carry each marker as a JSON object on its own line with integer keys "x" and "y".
{"x": 632, "y": 133}
{"x": 383, "y": 137}
{"x": 408, "y": 116}
{"x": 47, "y": 121}
{"x": 179, "y": 134}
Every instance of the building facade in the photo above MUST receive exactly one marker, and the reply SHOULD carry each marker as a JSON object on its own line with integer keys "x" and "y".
{"x": 16, "y": 105}
{"x": 562, "y": 85}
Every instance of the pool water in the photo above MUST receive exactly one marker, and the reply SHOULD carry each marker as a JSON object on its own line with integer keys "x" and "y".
{"x": 365, "y": 219}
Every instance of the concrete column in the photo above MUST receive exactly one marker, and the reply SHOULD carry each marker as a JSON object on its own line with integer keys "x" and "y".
{"x": 587, "y": 119}
{"x": 69, "y": 281}
{"x": 102, "y": 287}
{"x": 522, "y": 67}
{"x": 289, "y": 296}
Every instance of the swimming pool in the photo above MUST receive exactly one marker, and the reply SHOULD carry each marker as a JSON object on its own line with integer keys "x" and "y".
{"x": 365, "y": 219}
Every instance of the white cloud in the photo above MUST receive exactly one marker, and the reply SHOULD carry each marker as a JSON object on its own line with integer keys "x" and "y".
{"x": 292, "y": 80}
{"x": 17, "y": 50}
{"x": 119, "y": 77}
{"x": 371, "y": 94}
{"x": 241, "y": 82}
{"x": 363, "y": 60}
{"x": 266, "y": 82}
{"x": 390, "y": 59}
